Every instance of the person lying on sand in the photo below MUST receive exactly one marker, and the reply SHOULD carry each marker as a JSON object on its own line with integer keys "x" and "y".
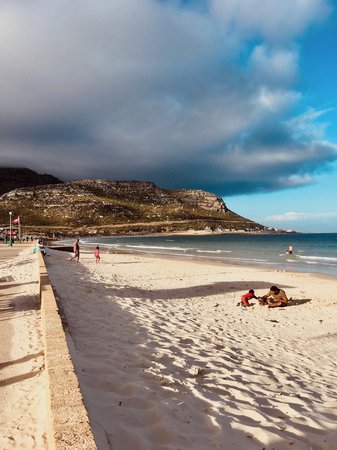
{"x": 274, "y": 298}
{"x": 246, "y": 297}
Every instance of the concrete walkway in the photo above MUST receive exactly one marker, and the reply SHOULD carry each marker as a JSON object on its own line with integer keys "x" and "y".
{"x": 40, "y": 401}
{"x": 23, "y": 388}
{"x": 8, "y": 290}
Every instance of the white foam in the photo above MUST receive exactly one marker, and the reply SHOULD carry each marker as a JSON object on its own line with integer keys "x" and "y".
{"x": 214, "y": 251}
{"x": 155, "y": 247}
{"x": 318, "y": 258}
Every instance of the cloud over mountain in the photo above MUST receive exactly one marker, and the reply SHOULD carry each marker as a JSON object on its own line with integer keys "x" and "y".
{"x": 185, "y": 96}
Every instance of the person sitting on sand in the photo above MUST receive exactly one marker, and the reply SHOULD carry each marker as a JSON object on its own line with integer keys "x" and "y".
{"x": 246, "y": 297}
{"x": 274, "y": 298}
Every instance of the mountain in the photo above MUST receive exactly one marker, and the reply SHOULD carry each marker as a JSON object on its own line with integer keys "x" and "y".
{"x": 108, "y": 207}
{"x": 12, "y": 178}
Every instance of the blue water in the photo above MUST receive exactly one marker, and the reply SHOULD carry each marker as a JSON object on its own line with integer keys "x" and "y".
{"x": 312, "y": 252}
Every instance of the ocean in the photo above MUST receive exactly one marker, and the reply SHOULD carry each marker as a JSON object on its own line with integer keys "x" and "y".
{"x": 312, "y": 252}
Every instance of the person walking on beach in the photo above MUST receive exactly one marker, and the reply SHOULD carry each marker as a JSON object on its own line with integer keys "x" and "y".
{"x": 76, "y": 250}
{"x": 246, "y": 297}
{"x": 274, "y": 298}
{"x": 97, "y": 254}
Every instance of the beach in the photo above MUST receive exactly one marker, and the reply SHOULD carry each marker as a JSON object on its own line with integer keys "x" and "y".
{"x": 167, "y": 360}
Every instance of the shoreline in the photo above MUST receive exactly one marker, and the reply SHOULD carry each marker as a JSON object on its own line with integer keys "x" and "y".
{"x": 87, "y": 249}
{"x": 208, "y": 260}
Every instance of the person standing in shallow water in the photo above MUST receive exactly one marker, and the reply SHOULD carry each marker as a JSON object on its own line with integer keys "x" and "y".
{"x": 290, "y": 249}
{"x": 97, "y": 254}
{"x": 76, "y": 250}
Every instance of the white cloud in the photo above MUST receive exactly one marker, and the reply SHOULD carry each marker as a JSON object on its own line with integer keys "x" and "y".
{"x": 274, "y": 66}
{"x": 275, "y": 100}
{"x": 292, "y": 216}
{"x": 306, "y": 126}
{"x": 271, "y": 19}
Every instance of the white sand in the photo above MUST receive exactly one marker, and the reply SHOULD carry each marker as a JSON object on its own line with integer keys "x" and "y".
{"x": 167, "y": 361}
{"x": 22, "y": 379}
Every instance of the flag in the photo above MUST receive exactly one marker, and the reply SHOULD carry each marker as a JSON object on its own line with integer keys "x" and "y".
{"x": 16, "y": 221}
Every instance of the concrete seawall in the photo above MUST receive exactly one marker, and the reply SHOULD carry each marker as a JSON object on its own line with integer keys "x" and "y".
{"x": 67, "y": 417}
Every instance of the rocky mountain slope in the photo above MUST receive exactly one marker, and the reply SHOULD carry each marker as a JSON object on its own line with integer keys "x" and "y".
{"x": 106, "y": 207}
{"x": 12, "y": 178}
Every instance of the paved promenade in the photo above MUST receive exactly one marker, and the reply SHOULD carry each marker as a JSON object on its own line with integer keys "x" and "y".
{"x": 40, "y": 401}
{"x": 8, "y": 291}
{"x": 23, "y": 388}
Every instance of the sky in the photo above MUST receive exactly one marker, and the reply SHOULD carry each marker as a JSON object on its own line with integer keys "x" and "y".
{"x": 236, "y": 97}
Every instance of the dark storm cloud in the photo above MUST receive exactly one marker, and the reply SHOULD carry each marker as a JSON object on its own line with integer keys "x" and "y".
{"x": 44, "y": 132}
{"x": 143, "y": 89}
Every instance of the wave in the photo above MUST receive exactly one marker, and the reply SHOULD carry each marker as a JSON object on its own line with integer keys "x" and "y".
{"x": 214, "y": 251}
{"x": 318, "y": 258}
{"x": 321, "y": 264}
{"x": 248, "y": 260}
{"x": 314, "y": 253}
{"x": 155, "y": 247}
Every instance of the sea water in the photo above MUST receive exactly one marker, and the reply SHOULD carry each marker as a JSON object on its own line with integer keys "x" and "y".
{"x": 312, "y": 252}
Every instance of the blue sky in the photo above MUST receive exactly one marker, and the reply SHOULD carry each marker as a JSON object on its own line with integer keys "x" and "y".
{"x": 237, "y": 97}
{"x": 311, "y": 208}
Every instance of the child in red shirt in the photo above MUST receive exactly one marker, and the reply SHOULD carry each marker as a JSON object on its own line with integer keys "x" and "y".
{"x": 246, "y": 297}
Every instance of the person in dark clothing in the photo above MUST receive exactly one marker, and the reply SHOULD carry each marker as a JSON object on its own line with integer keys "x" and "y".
{"x": 76, "y": 250}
